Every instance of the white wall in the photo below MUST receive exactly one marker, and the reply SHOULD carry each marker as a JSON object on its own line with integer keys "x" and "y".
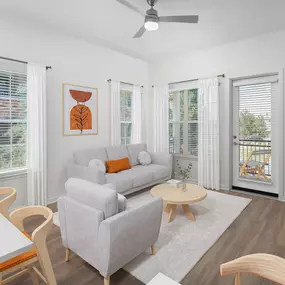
{"x": 264, "y": 54}
{"x": 73, "y": 61}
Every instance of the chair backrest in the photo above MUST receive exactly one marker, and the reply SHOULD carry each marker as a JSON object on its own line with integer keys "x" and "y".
{"x": 81, "y": 212}
{"x": 6, "y": 202}
{"x": 93, "y": 195}
{"x": 39, "y": 235}
{"x": 268, "y": 266}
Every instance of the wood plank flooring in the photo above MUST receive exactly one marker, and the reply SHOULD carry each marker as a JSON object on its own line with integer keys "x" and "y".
{"x": 259, "y": 228}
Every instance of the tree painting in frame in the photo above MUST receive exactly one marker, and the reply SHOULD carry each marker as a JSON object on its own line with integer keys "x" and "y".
{"x": 80, "y": 110}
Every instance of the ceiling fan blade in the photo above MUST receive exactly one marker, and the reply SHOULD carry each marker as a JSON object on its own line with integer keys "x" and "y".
{"x": 180, "y": 19}
{"x": 140, "y": 32}
{"x": 130, "y": 6}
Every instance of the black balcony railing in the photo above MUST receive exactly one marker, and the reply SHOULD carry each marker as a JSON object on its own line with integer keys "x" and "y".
{"x": 257, "y": 152}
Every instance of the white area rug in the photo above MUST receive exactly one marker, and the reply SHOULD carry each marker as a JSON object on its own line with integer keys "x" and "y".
{"x": 182, "y": 243}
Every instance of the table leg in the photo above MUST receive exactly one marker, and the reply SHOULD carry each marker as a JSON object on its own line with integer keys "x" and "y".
{"x": 188, "y": 212}
{"x": 167, "y": 208}
{"x": 172, "y": 213}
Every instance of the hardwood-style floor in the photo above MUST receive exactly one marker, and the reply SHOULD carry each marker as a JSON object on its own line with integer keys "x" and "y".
{"x": 259, "y": 228}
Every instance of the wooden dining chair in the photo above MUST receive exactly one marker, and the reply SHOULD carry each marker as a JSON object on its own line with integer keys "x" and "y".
{"x": 25, "y": 263}
{"x": 267, "y": 266}
{"x": 6, "y": 202}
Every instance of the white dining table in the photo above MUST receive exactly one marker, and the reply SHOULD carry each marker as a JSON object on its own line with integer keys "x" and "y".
{"x": 12, "y": 241}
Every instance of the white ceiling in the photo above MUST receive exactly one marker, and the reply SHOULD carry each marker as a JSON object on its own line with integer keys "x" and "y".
{"x": 109, "y": 23}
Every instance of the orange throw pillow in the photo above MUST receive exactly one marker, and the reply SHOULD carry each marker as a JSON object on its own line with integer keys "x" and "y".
{"x": 114, "y": 166}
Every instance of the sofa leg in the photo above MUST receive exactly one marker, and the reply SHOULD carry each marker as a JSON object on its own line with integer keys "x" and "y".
{"x": 153, "y": 249}
{"x": 67, "y": 254}
{"x": 106, "y": 280}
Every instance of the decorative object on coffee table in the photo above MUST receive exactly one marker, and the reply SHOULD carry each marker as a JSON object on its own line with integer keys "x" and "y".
{"x": 183, "y": 173}
{"x": 80, "y": 110}
{"x": 173, "y": 196}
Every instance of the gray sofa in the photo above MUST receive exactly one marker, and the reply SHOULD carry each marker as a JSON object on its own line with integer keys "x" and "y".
{"x": 127, "y": 181}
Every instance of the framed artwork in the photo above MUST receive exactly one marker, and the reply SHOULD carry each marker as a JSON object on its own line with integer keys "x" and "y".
{"x": 80, "y": 110}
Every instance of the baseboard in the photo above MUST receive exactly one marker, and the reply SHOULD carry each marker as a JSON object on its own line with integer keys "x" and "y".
{"x": 255, "y": 192}
{"x": 225, "y": 187}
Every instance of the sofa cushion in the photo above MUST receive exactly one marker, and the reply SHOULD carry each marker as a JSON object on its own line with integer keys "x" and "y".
{"x": 83, "y": 157}
{"x": 158, "y": 171}
{"x": 116, "y": 152}
{"x": 144, "y": 158}
{"x": 122, "y": 181}
{"x": 93, "y": 195}
{"x": 114, "y": 166}
{"x": 97, "y": 165}
{"x": 134, "y": 150}
{"x": 140, "y": 176}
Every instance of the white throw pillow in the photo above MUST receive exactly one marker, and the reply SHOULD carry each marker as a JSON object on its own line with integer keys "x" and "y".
{"x": 97, "y": 164}
{"x": 144, "y": 158}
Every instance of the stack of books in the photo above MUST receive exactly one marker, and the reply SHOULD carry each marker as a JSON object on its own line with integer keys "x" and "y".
{"x": 174, "y": 182}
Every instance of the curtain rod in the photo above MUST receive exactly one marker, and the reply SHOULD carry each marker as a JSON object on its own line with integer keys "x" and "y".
{"x": 20, "y": 61}
{"x": 190, "y": 80}
{"x": 110, "y": 80}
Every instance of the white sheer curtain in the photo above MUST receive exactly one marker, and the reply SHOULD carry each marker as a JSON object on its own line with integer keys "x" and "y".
{"x": 208, "y": 138}
{"x": 160, "y": 113}
{"x": 137, "y": 115}
{"x": 36, "y": 135}
{"x": 115, "y": 113}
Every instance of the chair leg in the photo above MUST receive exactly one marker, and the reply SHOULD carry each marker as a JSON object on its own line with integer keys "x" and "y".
{"x": 67, "y": 254}
{"x": 34, "y": 276}
{"x": 106, "y": 280}
{"x": 153, "y": 249}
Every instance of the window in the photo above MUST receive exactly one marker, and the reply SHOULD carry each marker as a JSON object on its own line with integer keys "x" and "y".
{"x": 13, "y": 120}
{"x": 183, "y": 121}
{"x": 126, "y": 113}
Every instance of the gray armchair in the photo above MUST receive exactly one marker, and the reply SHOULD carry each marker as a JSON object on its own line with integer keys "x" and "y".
{"x": 98, "y": 226}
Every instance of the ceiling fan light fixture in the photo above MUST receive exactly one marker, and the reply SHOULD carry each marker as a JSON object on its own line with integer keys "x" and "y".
{"x": 151, "y": 25}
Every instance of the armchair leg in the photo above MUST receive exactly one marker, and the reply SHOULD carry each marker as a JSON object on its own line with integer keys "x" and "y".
{"x": 67, "y": 254}
{"x": 153, "y": 249}
{"x": 106, "y": 280}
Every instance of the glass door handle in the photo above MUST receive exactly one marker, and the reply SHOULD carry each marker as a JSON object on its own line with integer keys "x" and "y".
{"x": 236, "y": 143}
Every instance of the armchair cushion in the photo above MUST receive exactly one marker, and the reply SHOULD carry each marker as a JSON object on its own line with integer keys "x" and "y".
{"x": 134, "y": 150}
{"x": 122, "y": 202}
{"x": 93, "y": 195}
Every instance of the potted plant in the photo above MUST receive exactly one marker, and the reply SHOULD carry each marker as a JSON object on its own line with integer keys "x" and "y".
{"x": 183, "y": 174}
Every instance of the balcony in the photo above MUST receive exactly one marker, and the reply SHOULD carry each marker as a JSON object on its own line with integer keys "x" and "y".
{"x": 255, "y": 159}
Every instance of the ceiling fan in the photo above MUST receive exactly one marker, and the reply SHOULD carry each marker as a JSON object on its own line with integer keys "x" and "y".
{"x": 152, "y": 19}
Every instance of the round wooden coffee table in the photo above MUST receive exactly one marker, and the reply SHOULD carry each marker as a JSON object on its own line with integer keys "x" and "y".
{"x": 174, "y": 196}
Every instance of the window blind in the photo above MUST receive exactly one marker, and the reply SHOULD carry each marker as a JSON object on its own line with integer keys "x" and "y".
{"x": 13, "y": 120}
{"x": 183, "y": 121}
{"x": 126, "y": 95}
{"x": 255, "y": 111}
